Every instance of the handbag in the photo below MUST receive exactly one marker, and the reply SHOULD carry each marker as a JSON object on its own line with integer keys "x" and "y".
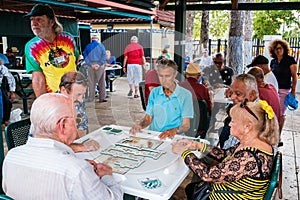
{"x": 202, "y": 190}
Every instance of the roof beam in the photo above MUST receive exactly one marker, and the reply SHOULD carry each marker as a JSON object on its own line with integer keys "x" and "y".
{"x": 87, "y": 8}
{"x": 122, "y": 6}
{"x": 243, "y": 6}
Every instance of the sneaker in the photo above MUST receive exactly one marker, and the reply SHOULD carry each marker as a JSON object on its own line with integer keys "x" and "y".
{"x": 129, "y": 93}
{"x": 136, "y": 96}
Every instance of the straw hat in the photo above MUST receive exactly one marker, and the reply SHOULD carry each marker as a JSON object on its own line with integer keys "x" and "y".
{"x": 193, "y": 69}
{"x": 14, "y": 50}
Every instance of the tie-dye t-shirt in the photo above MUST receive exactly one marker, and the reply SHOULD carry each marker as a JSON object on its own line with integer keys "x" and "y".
{"x": 54, "y": 59}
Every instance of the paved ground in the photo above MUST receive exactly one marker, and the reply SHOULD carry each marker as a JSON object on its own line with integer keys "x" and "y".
{"x": 126, "y": 111}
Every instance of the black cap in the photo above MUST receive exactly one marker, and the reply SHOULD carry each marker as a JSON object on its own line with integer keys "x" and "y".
{"x": 259, "y": 60}
{"x": 41, "y": 9}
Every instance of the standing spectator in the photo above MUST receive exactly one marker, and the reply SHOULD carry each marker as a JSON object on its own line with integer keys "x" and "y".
{"x": 170, "y": 106}
{"x": 285, "y": 69}
{"x": 206, "y": 59}
{"x": 110, "y": 61}
{"x": 46, "y": 167}
{"x": 263, "y": 63}
{"x": 6, "y": 97}
{"x": 187, "y": 60}
{"x": 95, "y": 58}
{"x": 51, "y": 53}
{"x": 135, "y": 60}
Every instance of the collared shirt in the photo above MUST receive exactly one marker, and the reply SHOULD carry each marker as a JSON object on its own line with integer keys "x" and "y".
{"x": 271, "y": 79}
{"x": 199, "y": 91}
{"x": 168, "y": 112}
{"x": 283, "y": 72}
{"x": 48, "y": 169}
{"x": 95, "y": 53}
{"x": 54, "y": 60}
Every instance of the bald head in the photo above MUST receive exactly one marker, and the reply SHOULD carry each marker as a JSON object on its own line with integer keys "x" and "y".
{"x": 46, "y": 111}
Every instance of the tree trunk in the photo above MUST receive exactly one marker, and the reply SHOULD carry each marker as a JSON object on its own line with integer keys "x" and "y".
{"x": 204, "y": 35}
{"x": 248, "y": 37}
{"x": 235, "y": 42}
{"x": 189, "y": 32}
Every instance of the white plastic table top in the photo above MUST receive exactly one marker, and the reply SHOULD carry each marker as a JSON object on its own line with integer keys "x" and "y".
{"x": 169, "y": 168}
{"x": 219, "y": 96}
{"x": 114, "y": 67}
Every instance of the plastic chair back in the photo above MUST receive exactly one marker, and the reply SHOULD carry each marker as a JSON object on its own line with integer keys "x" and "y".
{"x": 142, "y": 94}
{"x": 276, "y": 178}
{"x": 16, "y": 133}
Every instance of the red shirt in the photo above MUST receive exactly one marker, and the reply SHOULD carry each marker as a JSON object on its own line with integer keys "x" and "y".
{"x": 198, "y": 91}
{"x": 151, "y": 80}
{"x": 269, "y": 94}
{"x": 134, "y": 53}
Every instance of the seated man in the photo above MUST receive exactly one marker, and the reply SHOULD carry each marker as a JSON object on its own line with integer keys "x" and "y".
{"x": 170, "y": 106}
{"x": 244, "y": 86}
{"x": 110, "y": 61}
{"x": 46, "y": 167}
{"x": 199, "y": 91}
{"x": 73, "y": 84}
{"x": 266, "y": 91}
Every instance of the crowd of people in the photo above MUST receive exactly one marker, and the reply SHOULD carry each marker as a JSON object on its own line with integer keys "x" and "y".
{"x": 251, "y": 129}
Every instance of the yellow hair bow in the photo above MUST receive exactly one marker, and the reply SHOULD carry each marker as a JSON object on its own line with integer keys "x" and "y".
{"x": 267, "y": 108}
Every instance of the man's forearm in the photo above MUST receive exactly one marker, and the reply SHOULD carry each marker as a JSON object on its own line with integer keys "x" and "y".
{"x": 146, "y": 121}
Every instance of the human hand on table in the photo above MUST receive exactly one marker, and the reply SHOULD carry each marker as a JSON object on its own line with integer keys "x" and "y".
{"x": 101, "y": 169}
{"x": 137, "y": 128}
{"x": 181, "y": 145}
{"x": 168, "y": 134}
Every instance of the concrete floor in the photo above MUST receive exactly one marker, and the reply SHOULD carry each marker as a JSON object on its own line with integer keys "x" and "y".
{"x": 122, "y": 110}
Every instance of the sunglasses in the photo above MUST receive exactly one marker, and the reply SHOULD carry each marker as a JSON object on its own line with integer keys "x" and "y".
{"x": 218, "y": 63}
{"x": 278, "y": 48}
{"x": 243, "y": 105}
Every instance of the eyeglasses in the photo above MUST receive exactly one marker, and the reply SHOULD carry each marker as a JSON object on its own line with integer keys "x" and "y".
{"x": 243, "y": 105}
{"x": 78, "y": 118}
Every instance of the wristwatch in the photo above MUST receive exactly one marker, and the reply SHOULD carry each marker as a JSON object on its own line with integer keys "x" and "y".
{"x": 177, "y": 130}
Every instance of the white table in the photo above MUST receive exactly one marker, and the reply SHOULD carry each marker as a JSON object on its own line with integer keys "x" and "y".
{"x": 169, "y": 168}
{"x": 114, "y": 67}
{"x": 219, "y": 96}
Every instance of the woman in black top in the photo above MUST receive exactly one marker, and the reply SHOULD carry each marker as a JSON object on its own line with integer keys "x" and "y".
{"x": 284, "y": 68}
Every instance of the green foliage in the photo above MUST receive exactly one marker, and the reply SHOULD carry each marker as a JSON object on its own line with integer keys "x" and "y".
{"x": 218, "y": 24}
{"x": 269, "y": 22}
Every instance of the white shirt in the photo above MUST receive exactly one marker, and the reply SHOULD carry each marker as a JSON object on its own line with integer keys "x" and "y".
{"x": 271, "y": 79}
{"x": 205, "y": 61}
{"x": 48, "y": 169}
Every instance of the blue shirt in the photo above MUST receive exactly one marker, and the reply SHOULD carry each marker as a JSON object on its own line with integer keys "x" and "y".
{"x": 95, "y": 53}
{"x": 4, "y": 58}
{"x": 168, "y": 112}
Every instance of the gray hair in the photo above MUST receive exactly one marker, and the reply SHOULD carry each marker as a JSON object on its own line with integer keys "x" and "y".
{"x": 46, "y": 111}
{"x": 134, "y": 38}
{"x": 58, "y": 28}
{"x": 249, "y": 80}
{"x": 165, "y": 63}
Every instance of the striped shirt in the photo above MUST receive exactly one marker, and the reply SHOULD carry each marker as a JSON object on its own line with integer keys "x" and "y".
{"x": 47, "y": 169}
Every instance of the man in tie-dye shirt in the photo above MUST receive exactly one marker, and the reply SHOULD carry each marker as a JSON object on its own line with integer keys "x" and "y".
{"x": 51, "y": 53}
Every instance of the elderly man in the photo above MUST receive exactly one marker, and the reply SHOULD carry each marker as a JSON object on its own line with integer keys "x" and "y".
{"x": 263, "y": 63}
{"x": 243, "y": 87}
{"x": 51, "y": 53}
{"x": 135, "y": 60}
{"x": 46, "y": 167}
{"x": 170, "y": 106}
{"x": 95, "y": 58}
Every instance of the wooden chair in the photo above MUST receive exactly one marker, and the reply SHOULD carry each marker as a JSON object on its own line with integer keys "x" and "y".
{"x": 16, "y": 133}
{"x": 276, "y": 178}
{"x": 22, "y": 91}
